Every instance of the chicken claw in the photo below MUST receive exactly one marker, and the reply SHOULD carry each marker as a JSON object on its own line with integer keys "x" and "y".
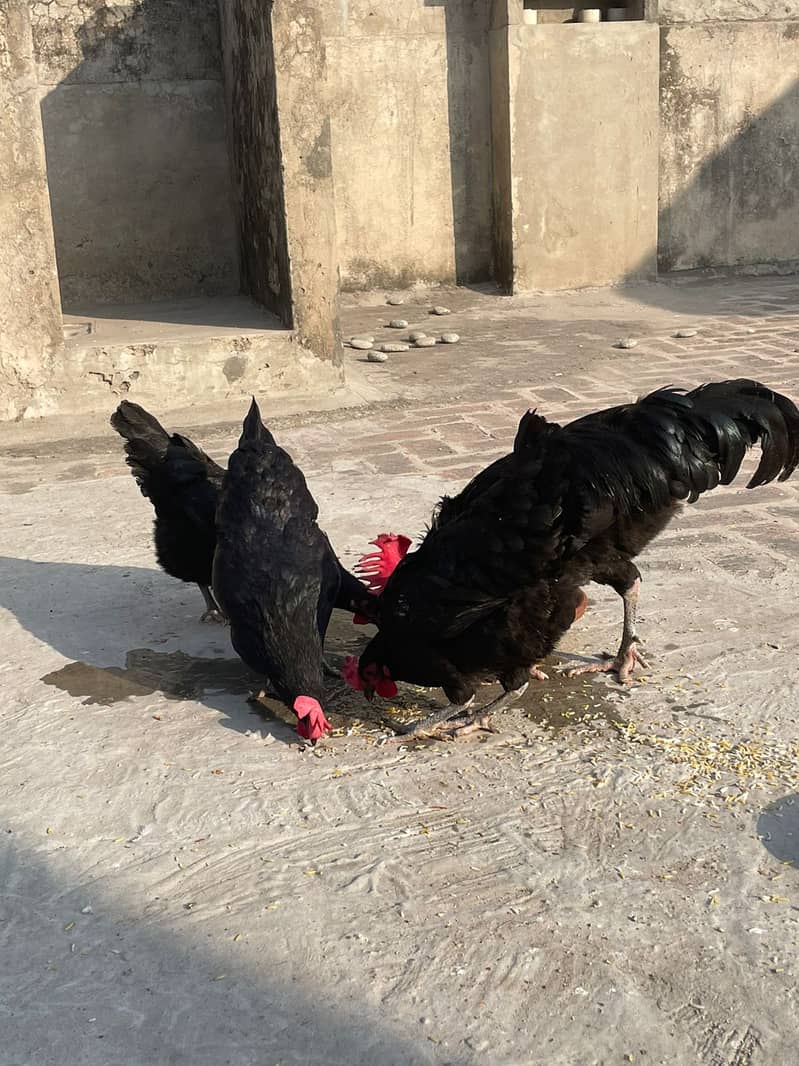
{"x": 427, "y": 725}
{"x": 330, "y": 670}
{"x": 262, "y": 694}
{"x": 462, "y": 727}
{"x": 447, "y": 720}
{"x": 212, "y": 612}
{"x": 628, "y": 656}
{"x": 622, "y": 664}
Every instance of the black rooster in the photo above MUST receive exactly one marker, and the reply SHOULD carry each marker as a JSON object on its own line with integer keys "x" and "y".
{"x": 275, "y": 574}
{"x": 496, "y": 581}
{"x": 182, "y": 483}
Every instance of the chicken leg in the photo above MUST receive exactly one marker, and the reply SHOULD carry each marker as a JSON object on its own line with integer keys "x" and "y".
{"x": 628, "y": 656}
{"x": 450, "y": 720}
{"x": 212, "y": 612}
{"x": 330, "y": 670}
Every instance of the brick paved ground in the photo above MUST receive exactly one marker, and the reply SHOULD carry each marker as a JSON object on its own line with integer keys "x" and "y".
{"x": 568, "y": 893}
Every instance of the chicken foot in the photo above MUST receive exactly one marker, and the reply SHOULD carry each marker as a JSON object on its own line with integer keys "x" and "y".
{"x": 330, "y": 670}
{"x": 213, "y": 613}
{"x": 450, "y": 719}
{"x": 266, "y": 692}
{"x": 435, "y": 719}
{"x": 628, "y": 655}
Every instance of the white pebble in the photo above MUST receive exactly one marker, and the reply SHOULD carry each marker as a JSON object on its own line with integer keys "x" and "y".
{"x": 398, "y": 323}
{"x": 416, "y": 335}
{"x": 440, "y": 311}
{"x": 395, "y": 301}
{"x": 362, "y": 344}
{"x": 377, "y": 357}
{"x": 686, "y": 333}
{"x": 393, "y": 347}
{"x": 86, "y": 910}
{"x": 425, "y": 342}
{"x": 449, "y": 338}
{"x": 626, "y": 342}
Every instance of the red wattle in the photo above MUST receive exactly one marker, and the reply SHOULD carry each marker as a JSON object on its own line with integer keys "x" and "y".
{"x": 311, "y": 721}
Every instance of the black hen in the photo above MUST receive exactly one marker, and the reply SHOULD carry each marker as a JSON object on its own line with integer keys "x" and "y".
{"x": 182, "y": 483}
{"x": 276, "y": 576}
{"x": 495, "y": 583}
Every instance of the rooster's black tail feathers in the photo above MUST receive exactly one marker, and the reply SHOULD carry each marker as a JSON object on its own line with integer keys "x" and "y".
{"x": 741, "y": 413}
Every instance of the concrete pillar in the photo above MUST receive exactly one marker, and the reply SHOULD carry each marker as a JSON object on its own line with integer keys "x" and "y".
{"x": 31, "y": 329}
{"x": 575, "y": 147}
{"x": 279, "y": 128}
{"x": 304, "y": 117}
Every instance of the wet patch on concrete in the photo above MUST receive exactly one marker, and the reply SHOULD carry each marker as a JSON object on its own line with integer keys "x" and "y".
{"x": 558, "y": 703}
{"x": 562, "y": 702}
{"x": 174, "y": 674}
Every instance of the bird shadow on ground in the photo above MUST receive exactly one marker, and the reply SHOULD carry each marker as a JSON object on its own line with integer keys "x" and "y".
{"x": 778, "y": 828}
{"x": 134, "y": 632}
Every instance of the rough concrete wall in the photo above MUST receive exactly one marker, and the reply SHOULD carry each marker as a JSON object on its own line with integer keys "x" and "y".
{"x": 254, "y": 134}
{"x": 134, "y": 129}
{"x": 730, "y": 145}
{"x": 30, "y": 312}
{"x": 411, "y": 140}
{"x": 308, "y": 193}
{"x": 584, "y": 153}
{"x": 670, "y": 11}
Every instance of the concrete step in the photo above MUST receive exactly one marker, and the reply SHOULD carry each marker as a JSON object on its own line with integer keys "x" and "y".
{"x": 176, "y": 354}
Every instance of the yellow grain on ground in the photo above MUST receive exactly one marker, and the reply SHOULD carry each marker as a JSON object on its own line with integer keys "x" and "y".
{"x": 749, "y": 763}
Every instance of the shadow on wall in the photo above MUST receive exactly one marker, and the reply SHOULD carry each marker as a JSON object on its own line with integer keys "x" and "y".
{"x": 137, "y": 160}
{"x": 736, "y": 211}
{"x": 729, "y": 178}
{"x": 469, "y": 104}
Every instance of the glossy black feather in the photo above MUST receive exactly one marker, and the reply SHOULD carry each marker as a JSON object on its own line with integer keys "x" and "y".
{"x": 182, "y": 483}
{"x": 493, "y": 585}
{"x": 275, "y": 574}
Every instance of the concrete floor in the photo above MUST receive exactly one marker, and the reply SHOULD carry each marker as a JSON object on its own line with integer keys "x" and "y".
{"x": 170, "y": 320}
{"x": 613, "y": 878}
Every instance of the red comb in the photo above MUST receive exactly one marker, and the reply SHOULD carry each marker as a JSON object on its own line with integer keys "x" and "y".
{"x": 375, "y": 568}
{"x": 380, "y": 681}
